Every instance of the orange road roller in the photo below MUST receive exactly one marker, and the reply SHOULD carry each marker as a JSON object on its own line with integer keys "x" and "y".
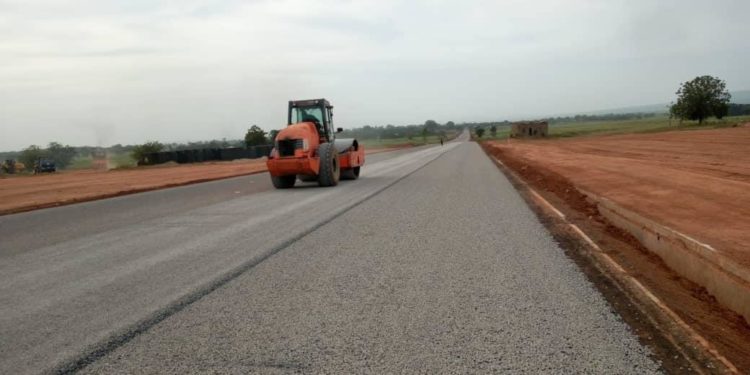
{"x": 308, "y": 149}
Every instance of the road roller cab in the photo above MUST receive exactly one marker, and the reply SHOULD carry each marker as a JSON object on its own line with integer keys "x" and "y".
{"x": 309, "y": 150}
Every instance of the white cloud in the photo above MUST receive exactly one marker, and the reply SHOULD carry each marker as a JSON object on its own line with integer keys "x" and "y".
{"x": 90, "y": 72}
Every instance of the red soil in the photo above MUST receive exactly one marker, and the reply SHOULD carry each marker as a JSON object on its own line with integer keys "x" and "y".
{"x": 696, "y": 182}
{"x": 24, "y": 193}
{"x": 692, "y": 181}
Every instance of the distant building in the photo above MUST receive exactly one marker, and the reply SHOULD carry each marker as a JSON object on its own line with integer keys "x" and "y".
{"x": 529, "y": 129}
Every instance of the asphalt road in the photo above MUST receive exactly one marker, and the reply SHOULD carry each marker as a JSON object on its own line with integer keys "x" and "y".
{"x": 431, "y": 262}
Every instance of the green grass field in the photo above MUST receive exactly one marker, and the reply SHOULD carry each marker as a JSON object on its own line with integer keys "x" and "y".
{"x": 650, "y": 125}
{"x": 115, "y": 161}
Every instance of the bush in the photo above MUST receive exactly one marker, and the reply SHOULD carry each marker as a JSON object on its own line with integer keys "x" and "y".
{"x": 139, "y": 152}
{"x": 61, "y": 155}
{"x": 30, "y": 155}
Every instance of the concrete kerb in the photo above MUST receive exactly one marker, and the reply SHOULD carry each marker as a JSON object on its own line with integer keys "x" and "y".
{"x": 698, "y": 262}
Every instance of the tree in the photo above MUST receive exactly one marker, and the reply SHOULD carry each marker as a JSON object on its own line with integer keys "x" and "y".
{"x": 701, "y": 98}
{"x": 255, "y": 136}
{"x": 139, "y": 152}
{"x": 61, "y": 155}
{"x": 450, "y": 125}
{"x": 431, "y": 125}
{"x": 30, "y": 155}
{"x": 272, "y": 135}
{"x": 424, "y": 134}
{"x": 493, "y": 130}
{"x": 479, "y": 131}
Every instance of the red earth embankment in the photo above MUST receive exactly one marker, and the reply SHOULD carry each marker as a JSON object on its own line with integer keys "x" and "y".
{"x": 696, "y": 182}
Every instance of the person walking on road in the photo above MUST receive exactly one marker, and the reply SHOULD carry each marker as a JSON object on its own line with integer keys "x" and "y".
{"x": 441, "y": 141}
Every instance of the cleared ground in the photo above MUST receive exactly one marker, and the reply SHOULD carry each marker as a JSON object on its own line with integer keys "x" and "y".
{"x": 692, "y": 181}
{"x": 23, "y": 193}
{"x": 687, "y": 180}
{"x": 431, "y": 262}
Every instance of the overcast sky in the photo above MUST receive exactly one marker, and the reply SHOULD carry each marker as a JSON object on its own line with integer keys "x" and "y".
{"x": 104, "y": 72}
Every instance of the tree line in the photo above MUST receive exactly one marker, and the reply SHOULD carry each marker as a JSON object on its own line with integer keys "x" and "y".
{"x": 738, "y": 109}
{"x": 257, "y": 136}
{"x": 63, "y": 155}
{"x": 430, "y": 127}
{"x": 601, "y": 117}
{"x": 59, "y": 154}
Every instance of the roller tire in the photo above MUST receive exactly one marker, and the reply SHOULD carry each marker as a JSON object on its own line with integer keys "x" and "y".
{"x": 329, "y": 172}
{"x": 283, "y": 182}
{"x": 350, "y": 173}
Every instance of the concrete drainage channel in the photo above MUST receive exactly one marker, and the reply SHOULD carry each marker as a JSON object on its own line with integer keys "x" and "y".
{"x": 677, "y": 331}
{"x": 696, "y": 261}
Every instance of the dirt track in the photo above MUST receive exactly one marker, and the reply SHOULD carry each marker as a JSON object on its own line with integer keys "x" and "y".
{"x": 696, "y": 182}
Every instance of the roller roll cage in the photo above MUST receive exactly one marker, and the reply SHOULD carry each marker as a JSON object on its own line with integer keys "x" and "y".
{"x": 327, "y": 130}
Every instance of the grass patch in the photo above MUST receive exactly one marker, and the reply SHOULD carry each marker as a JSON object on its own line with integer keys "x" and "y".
{"x": 500, "y": 134}
{"x": 122, "y": 160}
{"x": 650, "y": 125}
{"x": 80, "y": 162}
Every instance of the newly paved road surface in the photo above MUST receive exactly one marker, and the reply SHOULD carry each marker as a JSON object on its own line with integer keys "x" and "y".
{"x": 431, "y": 262}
